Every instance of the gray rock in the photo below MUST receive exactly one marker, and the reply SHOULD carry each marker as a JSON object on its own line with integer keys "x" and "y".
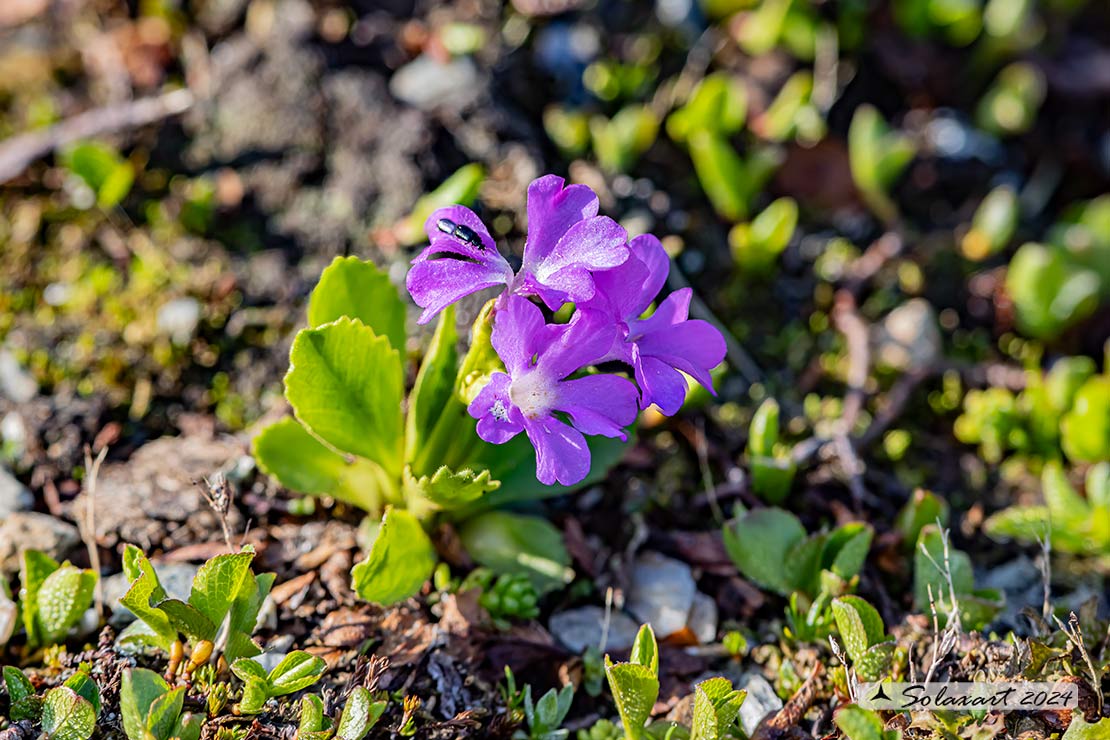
{"x": 15, "y": 382}
{"x": 14, "y": 432}
{"x": 28, "y": 530}
{"x": 14, "y": 496}
{"x": 176, "y": 578}
{"x": 269, "y": 660}
{"x": 908, "y": 337}
{"x": 578, "y": 629}
{"x": 702, "y": 620}
{"x": 179, "y": 318}
{"x": 8, "y": 617}
{"x": 428, "y": 83}
{"x": 761, "y": 701}
{"x": 661, "y": 593}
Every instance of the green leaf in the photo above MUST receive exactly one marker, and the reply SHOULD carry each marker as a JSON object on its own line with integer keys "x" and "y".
{"x": 355, "y": 289}
{"x": 1086, "y": 427}
{"x": 244, "y": 615}
{"x": 876, "y": 662}
{"x": 161, "y": 717}
{"x": 101, "y": 168}
{"x": 62, "y": 598}
{"x": 858, "y": 723}
{"x": 718, "y": 104}
{"x": 188, "y": 620}
{"x": 300, "y": 462}
{"x": 217, "y": 583}
{"x": 360, "y": 714}
{"x": 1079, "y": 729}
{"x": 621, "y": 140}
{"x": 249, "y": 670}
{"x": 1049, "y": 290}
{"x": 346, "y": 385}
{"x": 877, "y": 156}
{"x": 296, "y": 671}
{"x": 716, "y": 707}
{"x": 400, "y": 561}
{"x": 757, "y": 245}
{"x": 976, "y": 607}
{"x": 139, "y": 689}
{"x": 760, "y": 544}
{"x": 447, "y": 489}
{"x": 859, "y": 624}
{"x": 922, "y": 509}
{"x": 144, "y": 590}
{"x": 432, "y": 390}
{"x": 720, "y": 171}
{"x": 763, "y": 433}
{"x": 1065, "y": 506}
{"x": 86, "y": 688}
{"x": 312, "y": 714}
{"x": 506, "y": 542}
{"x": 189, "y": 727}
{"x": 67, "y": 716}
{"x": 645, "y": 649}
{"x": 846, "y": 549}
{"x": 17, "y": 684}
{"x": 254, "y": 697}
{"x": 34, "y": 569}
{"x": 635, "y": 689}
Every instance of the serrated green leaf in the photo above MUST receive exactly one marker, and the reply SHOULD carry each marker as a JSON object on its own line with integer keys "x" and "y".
{"x": 432, "y": 391}
{"x": 400, "y": 561}
{"x": 635, "y": 689}
{"x": 34, "y": 569}
{"x": 359, "y": 290}
{"x": 296, "y": 671}
{"x": 162, "y": 716}
{"x": 716, "y": 707}
{"x": 62, "y": 598}
{"x": 846, "y": 549}
{"x": 760, "y": 544}
{"x": 217, "y": 583}
{"x": 29, "y": 707}
{"x": 447, "y": 489}
{"x": 858, "y": 723}
{"x": 144, "y": 591}
{"x": 300, "y": 462}
{"x": 67, "y": 716}
{"x": 875, "y": 664}
{"x": 346, "y": 385}
{"x": 506, "y": 542}
{"x": 139, "y": 689}
{"x": 1079, "y": 729}
{"x": 244, "y": 615}
{"x": 360, "y": 714}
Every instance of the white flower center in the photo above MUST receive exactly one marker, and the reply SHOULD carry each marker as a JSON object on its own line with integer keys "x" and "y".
{"x": 499, "y": 411}
{"x": 533, "y": 394}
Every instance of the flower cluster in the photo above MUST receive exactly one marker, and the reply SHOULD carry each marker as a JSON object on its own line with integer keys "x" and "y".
{"x": 571, "y": 254}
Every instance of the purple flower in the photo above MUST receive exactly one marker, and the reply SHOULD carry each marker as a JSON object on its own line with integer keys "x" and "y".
{"x": 567, "y": 244}
{"x": 666, "y": 342}
{"x": 539, "y": 357}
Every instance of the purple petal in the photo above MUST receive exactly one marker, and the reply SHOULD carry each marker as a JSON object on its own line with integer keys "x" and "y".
{"x": 694, "y": 347}
{"x": 450, "y": 267}
{"x": 660, "y": 384}
{"x": 498, "y": 420}
{"x": 649, "y": 250}
{"x": 587, "y": 339}
{"x": 561, "y": 452}
{"x": 674, "y": 309}
{"x": 552, "y": 210}
{"x": 519, "y": 330}
{"x": 595, "y": 244}
{"x": 599, "y": 404}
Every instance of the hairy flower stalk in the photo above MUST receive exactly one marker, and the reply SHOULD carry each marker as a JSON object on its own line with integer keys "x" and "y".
{"x": 548, "y": 391}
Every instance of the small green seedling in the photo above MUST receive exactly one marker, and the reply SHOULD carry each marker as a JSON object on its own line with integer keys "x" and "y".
{"x": 359, "y": 716}
{"x": 864, "y": 635}
{"x": 943, "y": 578}
{"x": 756, "y": 246}
{"x": 297, "y": 670}
{"x": 506, "y": 597}
{"x": 1072, "y": 523}
{"x": 716, "y": 709}
{"x": 66, "y": 712}
{"x": 635, "y": 684}
{"x": 545, "y": 717}
{"x": 53, "y": 597}
{"x": 993, "y": 225}
{"x": 224, "y": 592}
{"x": 1011, "y": 104}
{"x": 621, "y": 140}
{"x": 772, "y": 465}
{"x": 151, "y": 710}
{"x": 101, "y": 169}
{"x": 877, "y": 156}
{"x": 857, "y": 723}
